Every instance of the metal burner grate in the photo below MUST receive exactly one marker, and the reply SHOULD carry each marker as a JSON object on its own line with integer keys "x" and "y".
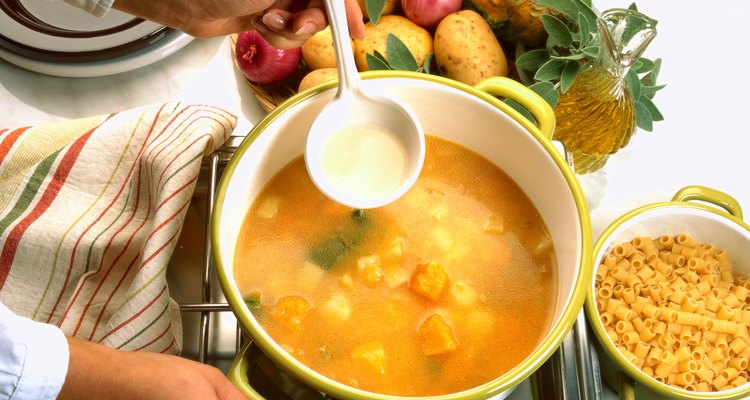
{"x": 212, "y": 335}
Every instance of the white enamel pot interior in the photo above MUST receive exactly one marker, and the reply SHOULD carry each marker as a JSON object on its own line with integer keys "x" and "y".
{"x": 453, "y": 111}
{"x": 707, "y": 215}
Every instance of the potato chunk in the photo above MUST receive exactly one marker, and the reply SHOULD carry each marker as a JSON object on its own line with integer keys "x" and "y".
{"x": 290, "y": 311}
{"x": 371, "y": 354}
{"x": 370, "y": 269}
{"x": 436, "y": 336}
{"x": 429, "y": 280}
{"x": 337, "y": 308}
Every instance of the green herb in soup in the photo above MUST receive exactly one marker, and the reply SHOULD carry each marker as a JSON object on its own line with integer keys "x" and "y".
{"x": 443, "y": 290}
{"x": 332, "y": 249}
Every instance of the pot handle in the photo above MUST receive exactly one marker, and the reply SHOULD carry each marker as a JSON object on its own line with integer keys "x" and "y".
{"x": 627, "y": 387}
{"x": 712, "y": 196}
{"x": 237, "y": 373}
{"x": 532, "y": 102}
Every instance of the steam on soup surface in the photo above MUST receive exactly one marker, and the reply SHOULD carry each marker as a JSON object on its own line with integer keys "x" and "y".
{"x": 440, "y": 291}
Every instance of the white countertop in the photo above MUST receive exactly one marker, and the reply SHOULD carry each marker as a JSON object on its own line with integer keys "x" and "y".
{"x": 703, "y": 140}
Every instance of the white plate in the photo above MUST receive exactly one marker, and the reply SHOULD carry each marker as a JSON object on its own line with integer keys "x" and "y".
{"x": 171, "y": 41}
{"x": 55, "y": 30}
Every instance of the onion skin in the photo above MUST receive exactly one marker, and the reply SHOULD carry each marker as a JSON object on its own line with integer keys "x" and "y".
{"x": 262, "y": 63}
{"x": 428, "y": 13}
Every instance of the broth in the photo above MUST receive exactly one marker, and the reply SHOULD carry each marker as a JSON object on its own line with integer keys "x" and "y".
{"x": 443, "y": 290}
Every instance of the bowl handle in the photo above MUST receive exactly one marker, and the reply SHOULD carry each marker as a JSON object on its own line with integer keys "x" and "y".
{"x": 713, "y": 196}
{"x": 532, "y": 102}
{"x": 627, "y": 387}
{"x": 237, "y": 373}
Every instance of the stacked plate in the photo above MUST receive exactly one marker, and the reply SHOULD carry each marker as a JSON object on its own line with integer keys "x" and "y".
{"x": 55, "y": 38}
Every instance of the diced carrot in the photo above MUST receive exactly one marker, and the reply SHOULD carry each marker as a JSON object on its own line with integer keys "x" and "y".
{"x": 429, "y": 280}
{"x": 371, "y": 354}
{"x": 290, "y": 311}
{"x": 436, "y": 336}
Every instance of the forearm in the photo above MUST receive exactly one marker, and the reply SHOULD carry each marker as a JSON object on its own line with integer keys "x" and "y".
{"x": 99, "y": 372}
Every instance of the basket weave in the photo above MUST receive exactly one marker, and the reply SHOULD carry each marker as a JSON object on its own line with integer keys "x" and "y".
{"x": 270, "y": 96}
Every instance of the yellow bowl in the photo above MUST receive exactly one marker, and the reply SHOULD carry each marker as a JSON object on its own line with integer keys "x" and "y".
{"x": 722, "y": 226}
{"x": 470, "y": 116}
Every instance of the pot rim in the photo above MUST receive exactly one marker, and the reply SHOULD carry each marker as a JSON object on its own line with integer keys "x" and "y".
{"x": 605, "y": 239}
{"x": 507, "y": 381}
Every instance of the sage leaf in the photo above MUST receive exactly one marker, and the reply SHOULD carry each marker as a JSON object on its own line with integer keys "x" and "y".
{"x": 559, "y": 33}
{"x": 651, "y": 77}
{"x": 551, "y": 70}
{"x": 649, "y": 91}
{"x": 532, "y": 60}
{"x": 520, "y": 109}
{"x": 375, "y": 63}
{"x": 399, "y": 56}
{"x": 569, "y": 75}
{"x": 567, "y": 7}
{"x": 591, "y": 51}
{"x": 547, "y": 91}
{"x": 524, "y": 75}
{"x": 643, "y": 65}
{"x": 586, "y": 8}
{"x": 427, "y": 65}
{"x": 634, "y": 84}
{"x": 643, "y": 117}
{"x": 575, "y": 56}
{"x": 584, "y": 30}
{"x": 375, "y": 9}
{"x": 656, "y": 115}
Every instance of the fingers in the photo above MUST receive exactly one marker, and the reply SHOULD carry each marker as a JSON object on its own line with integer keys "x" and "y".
{"x": 278, "y": 28}
{"x": 284, "y": 29}
{"x": 356, "y": 21}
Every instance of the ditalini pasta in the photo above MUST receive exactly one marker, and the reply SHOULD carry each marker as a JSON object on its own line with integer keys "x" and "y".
{"x": 674, "y": 308}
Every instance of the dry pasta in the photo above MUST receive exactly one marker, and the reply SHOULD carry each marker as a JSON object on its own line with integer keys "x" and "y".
{"x": 675, "y": 309}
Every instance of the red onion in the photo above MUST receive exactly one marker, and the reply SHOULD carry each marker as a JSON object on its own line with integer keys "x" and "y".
{"x": 262, "y": 63}
{"x": 428, "y": 13}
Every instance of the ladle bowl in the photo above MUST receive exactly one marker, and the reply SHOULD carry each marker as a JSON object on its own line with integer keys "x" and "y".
{"x": 364, "y": 149}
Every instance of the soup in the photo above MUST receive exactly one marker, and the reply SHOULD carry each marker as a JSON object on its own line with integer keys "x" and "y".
{"x": 443, "y": 290}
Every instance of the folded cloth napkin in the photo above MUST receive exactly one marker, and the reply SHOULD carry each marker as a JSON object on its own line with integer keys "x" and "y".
{"x": 90, "y": 211}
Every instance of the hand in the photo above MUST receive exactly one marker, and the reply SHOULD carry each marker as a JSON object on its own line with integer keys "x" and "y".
{"x": 99, "y": 372}
{"x": 283, "y": 23}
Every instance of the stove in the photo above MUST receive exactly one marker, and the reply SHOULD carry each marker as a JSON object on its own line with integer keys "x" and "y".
{"x": 212, "y": 336}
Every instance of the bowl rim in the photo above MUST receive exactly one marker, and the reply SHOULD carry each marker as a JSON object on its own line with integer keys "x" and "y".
{"x": 604, "y": 240}
{"x": 509, "y": 380}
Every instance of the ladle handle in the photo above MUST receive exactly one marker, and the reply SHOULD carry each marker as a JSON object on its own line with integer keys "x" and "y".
{"x": 349, "y": 79}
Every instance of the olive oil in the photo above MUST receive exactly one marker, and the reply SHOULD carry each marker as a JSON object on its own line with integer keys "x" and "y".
{"x": 596, "y": 115}
{"x": 595, "y": 118}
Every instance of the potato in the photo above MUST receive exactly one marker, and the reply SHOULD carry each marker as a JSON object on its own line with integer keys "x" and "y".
{"x": 388, "y": 8}
{"x": 316, "y": 77}
{"x": 467, "y": 50}
{"x": 317, "y": 51}
{"x": 416, "y": 38}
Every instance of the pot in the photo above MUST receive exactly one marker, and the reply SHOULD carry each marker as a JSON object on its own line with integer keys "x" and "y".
{"x": 717, "y": 219}
{"x": 470, "y": 116}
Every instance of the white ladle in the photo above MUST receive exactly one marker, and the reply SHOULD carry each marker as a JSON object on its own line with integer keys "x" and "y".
{"x": 363, "y": 150}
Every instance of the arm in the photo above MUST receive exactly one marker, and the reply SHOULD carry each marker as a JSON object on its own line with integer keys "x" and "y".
{"x": 99, "y": 372}
{"x": 33, "y": 358}
{"x": 37, "y": 362}
{"x": 283, "y": 23}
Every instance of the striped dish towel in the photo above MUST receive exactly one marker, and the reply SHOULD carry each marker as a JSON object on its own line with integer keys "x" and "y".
{"x": 90, "y": 211}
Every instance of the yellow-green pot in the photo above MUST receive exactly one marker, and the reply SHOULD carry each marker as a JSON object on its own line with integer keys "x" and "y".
{"x": 716, "y": 219}
{"x": 471, "y": 116}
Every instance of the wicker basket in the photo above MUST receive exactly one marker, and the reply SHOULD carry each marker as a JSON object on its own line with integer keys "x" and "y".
{"x": 270, "y": 96}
